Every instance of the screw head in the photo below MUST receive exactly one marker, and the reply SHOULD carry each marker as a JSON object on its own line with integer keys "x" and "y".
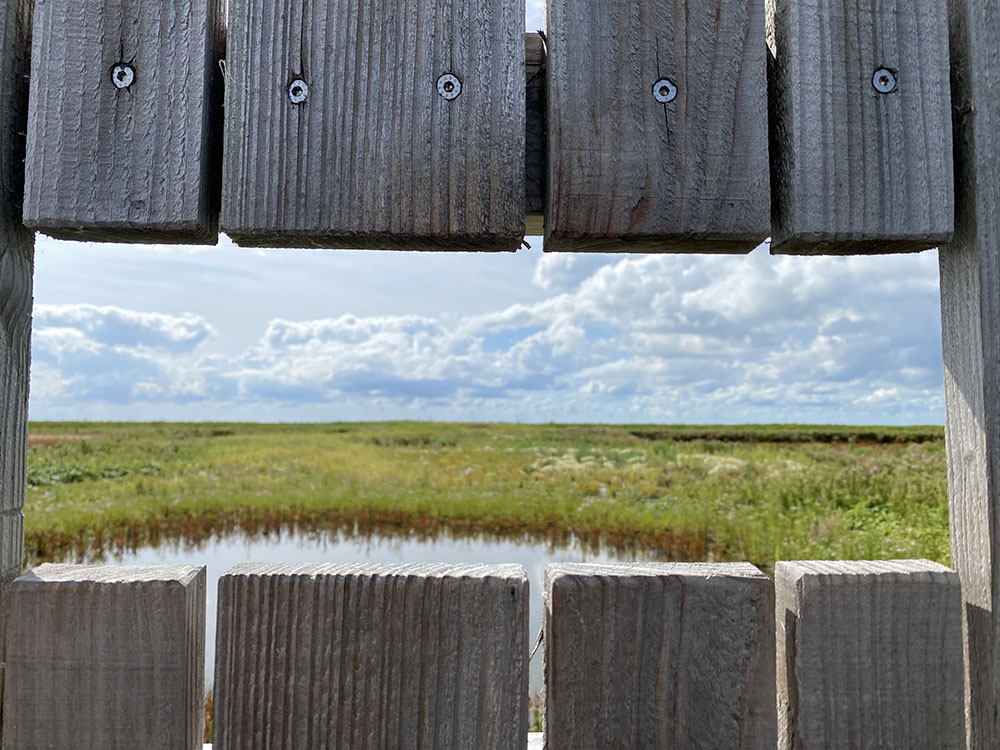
{"x": 664, "y": 91}
{"x": 298, "y": 90}
{"x": 122, "y": 75}
{"x": 449, "y": 86}
{"x": 884, "y": 81}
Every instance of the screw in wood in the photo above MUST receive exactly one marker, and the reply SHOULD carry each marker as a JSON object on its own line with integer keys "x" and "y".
{"x": 884, "y": 81}
{"x": 664, "y": 91}
{"x": 449, "y": 86}
{"x": 298, "y": 90}
{"x": 122, "y": 75}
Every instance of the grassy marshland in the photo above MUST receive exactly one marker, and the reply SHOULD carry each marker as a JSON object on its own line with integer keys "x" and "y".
{"x": 758, "y": 493}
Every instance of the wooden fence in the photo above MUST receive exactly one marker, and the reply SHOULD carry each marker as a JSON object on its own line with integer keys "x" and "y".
{"x": 374, "y": 656}
{"x": 652, "y": 126}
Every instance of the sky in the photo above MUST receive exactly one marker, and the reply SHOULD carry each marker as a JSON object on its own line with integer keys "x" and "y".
{"x": 156, "y": 332}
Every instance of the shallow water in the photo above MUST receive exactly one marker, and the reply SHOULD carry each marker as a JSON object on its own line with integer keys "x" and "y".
{"x": 222, "y": 553}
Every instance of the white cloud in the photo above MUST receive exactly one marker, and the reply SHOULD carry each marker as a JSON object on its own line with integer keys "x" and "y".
{"x": 109, "y": 325}
{"x": 679, "y": 338}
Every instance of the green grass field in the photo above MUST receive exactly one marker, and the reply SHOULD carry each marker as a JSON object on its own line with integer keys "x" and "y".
{"x": 757, "y": 493}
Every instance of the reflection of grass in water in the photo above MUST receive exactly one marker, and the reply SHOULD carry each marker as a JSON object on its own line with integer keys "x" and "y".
{"x": 691, "y": 492}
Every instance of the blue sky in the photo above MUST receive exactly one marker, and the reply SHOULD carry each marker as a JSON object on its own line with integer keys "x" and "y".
{"x": 224, "y": 333}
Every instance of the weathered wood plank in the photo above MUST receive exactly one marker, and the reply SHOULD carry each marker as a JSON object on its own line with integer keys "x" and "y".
{"x": 368, "y": 152}
{"x": 106, "y": 657}
{"x": 970, "y": 311}
{"x": 535, "y": 135}
{"x": 869, "y": 656}
{"x": 659, "y": 656}
{"x": 856, "y": 170}
{"x": 16, "y": 271}
{"x": 372, "y": 656}
{"x": 630, "y": 173}
{"x": 139, "y": 162}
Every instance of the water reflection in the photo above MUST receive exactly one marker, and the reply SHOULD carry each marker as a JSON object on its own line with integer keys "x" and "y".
{"x": 223, "y": 551}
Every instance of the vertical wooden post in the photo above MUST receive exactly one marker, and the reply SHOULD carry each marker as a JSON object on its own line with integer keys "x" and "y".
{"x": 677, "y": 655}
{"x": 657, "y": 126}
{"x": 16, "y": 266}
{"x": 124, "y": 141}
{"x": 869, "y": 656}
{"x": 970, "y": 313}
{"x": 106, "y": 657}
{"x": 371, "y": 656}
{"x": 375, "y": 123}
{"x": 860, "y": 132}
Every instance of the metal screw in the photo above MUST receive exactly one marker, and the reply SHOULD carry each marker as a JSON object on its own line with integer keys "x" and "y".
{"x": 449, "y": 86}
{"x": 122, "y": 75}
{"x": 664, "y": 91}
{"x": 298, "y": 90}
{"x": 884, "y": 81}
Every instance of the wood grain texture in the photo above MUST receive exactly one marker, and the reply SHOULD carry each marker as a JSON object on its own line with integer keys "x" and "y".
{"x": 106, "y": 658}
{"x": 869, "y": 656}
{"x": 372, "y": 656}
{"x": 856, "y": 171}
{"x": 375, "y": 157}
{"x": 535, "y": 133}
{"x": 970, "y": 311}
{"x": 628, "y": 173}
{"x": 139, "y": 164}
{"x": 659, "y": 656}
{"x": 16, "y": 272}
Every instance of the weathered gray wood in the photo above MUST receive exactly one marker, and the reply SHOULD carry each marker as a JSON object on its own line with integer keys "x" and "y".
{"x": 139, "y": 163}
{"x": 659, "y": 656}
{"x": 869, "y": 656}
{"x": 372, "y": 656}
{"x": 856, "y": 171}
{"x": 970, "y": 312}
{"x": 535, "y": 141}
{"x": 16, "y": 268}
{"x": 629, "y": 173}
{"x": 106, "y": 658}
{"x": 374, "y": 156}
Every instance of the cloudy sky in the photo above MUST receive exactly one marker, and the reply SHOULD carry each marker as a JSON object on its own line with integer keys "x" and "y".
{"x": 224, "y": 333}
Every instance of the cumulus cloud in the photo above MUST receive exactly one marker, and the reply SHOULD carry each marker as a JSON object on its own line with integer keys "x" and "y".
{"x": 113, "y": 326}
{"x": 93, "y": 353}
{"x": 655, "y": 338}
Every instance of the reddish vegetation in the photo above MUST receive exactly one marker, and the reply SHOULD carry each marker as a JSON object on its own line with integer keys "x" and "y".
{"x": 35, "y": 441}
{"x": 49, "y": 546}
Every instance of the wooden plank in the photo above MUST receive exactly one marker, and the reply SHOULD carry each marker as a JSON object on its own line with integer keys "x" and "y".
{"x": 659, "y": 656}
{"x": 630, "y": 173}
{"x": 970, "y": 309}
{"x": 371, "y": 656}
{"x": 16, "y": 270}
{"x": 106, "y": 657}
{"x": 535, "y": 133}
{"x": 369, "y": 152}
{"x": 137, "y": 162}
{"x": 856, "y": 170}
{"x": 869, "y": 656}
